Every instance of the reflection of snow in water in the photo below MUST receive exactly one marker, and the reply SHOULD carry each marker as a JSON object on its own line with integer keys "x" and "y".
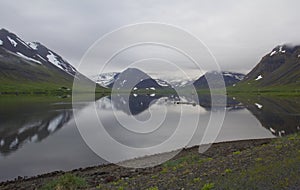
{"x": 14, "y": 143}
{"x": 2, "y": 142}
{"x": 55, "y": 123}
{"x": 34, "y": 138}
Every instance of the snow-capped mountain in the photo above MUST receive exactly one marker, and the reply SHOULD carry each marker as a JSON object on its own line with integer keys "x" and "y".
{"x": 135, "y": 79}
{"x": 281, "y": 66}
{"x": 105, "y": 79}
{"x": 34, "y": 52}
{"x": 180, "y": 83}
{"x": 30, "y": 67}
{"x": 230, "y": 78}
{"x": 128, "y": 79}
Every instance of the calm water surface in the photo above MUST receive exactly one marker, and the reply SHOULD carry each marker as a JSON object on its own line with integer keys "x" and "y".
{"x": 37, "y": 137}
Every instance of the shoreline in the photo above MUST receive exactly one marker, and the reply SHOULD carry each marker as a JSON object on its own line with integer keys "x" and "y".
{"x": 107, "y": 172}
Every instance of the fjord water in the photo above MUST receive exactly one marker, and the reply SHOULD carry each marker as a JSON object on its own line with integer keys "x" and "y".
{"x": 41, "y": 136}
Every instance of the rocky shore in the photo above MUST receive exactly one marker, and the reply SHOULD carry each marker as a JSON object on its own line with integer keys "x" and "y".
{"x": 247, "y": 164}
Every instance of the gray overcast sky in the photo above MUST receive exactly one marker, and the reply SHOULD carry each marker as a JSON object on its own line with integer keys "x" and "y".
{"x": 238, "y": 33}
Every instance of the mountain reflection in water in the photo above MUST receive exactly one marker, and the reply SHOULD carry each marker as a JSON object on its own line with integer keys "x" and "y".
{"x": 42, "y": 137}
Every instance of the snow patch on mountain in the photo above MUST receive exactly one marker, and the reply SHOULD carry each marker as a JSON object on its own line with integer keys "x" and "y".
{"x": 259, "y": 106}
{"x": 33, "y": 45}
{"x": 259, "y": 77}
{"x": 28, "y": 58}
{"x": 53, "y": 59}
{"x": 13, "y": 42}
{"x": 176, "y": 83}
{"x": 22, "y": 42}
{"x": 234, "y": 75}
{"x": 1, "y": 42}
{"x": 105, "y": 79}
{"x": 279, "y": 49}
{"x": 272, "y": 53}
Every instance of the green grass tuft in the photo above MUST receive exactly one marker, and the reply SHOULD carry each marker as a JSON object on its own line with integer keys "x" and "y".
{"x": 66, "y": 182}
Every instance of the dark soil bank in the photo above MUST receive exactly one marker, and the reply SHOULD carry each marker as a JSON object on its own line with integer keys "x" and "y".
{"x": 249, "y": 164}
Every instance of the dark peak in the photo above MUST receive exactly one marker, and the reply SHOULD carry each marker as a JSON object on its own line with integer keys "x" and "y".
{"x": 213, "y": 72}
{"x": 132, "y": 70}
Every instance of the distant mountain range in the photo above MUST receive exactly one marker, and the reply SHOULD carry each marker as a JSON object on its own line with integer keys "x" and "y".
{"x": 109, "y": 79}
{"x": 280, "y": 67}
{"x": 230, "y": 78}
{"x": 26, "y": 66}
{"x": 131, "y": 78}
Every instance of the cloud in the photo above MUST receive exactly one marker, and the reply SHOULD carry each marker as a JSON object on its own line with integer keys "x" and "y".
{"x": 238, "y": 33}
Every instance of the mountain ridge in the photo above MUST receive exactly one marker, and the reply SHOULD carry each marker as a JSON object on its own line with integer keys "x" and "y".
{"x": 280, "y": 67}
{"x": 215, "y": 79}
{"x": 32, "y": 67}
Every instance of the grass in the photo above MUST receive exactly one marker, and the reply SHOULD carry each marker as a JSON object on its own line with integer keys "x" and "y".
{"x": 273, "y": 169}
{"x": 267, "y": 168}
{"x": 208, "y": 186}
{"x": 277, "y": 90}
{"x": 236, "y": 153}
{"x": 65, "y": 182}
{"x": 20, "y": 77}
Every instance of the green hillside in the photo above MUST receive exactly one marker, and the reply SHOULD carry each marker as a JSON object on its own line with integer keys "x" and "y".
{"x": 20, "y": 76}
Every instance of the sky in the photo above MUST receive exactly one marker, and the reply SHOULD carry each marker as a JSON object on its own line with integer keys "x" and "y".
{"x": 237, "y": 33}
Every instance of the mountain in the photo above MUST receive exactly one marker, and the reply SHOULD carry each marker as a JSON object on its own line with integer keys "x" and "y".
{"x": 131, "y": 78}
{"x": 180, "y": 83}
{"x": 105, "y": 79}
{"x": 31, "y": 66}
{"x": 280, "y": 67}
{"x": 215, "y": 77}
